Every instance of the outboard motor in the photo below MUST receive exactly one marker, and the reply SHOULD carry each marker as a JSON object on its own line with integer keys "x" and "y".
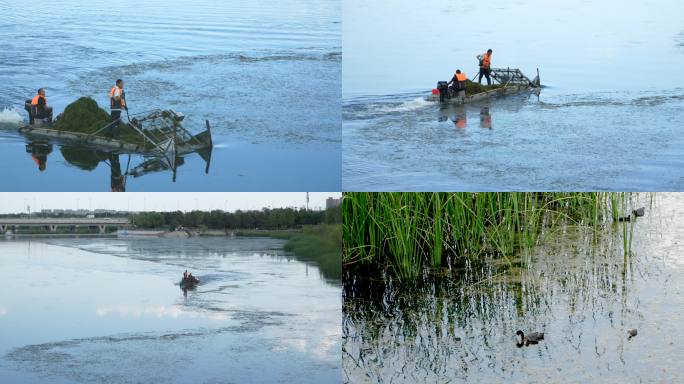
{"x": 27, "y": 107}
{"x": 444, "y": 93}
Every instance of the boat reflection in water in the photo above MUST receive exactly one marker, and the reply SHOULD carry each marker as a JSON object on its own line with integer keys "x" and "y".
{"x": 485, "y": 118}
{"x": 39, "y": 151}
{"x": 88, "y": 159}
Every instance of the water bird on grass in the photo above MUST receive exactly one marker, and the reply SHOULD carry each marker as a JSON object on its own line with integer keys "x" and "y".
{"x": 530, "y": 338}
{"x": 632, "y": 333}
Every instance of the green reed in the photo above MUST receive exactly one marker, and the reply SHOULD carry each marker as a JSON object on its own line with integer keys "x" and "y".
{"x": 408, "y": 232}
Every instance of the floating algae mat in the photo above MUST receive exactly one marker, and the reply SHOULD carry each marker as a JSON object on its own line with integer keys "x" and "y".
{"x": 158, "y": 132}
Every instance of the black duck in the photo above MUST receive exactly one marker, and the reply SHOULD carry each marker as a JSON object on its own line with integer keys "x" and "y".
{"x": 533, "y": 337}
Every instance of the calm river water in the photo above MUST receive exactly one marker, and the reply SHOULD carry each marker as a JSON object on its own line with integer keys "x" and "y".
{"x": 110, "y": 310}
{"x": 580, "y": 289}
{"x": 608, "y": 117}
{"x": 267, "y": 75}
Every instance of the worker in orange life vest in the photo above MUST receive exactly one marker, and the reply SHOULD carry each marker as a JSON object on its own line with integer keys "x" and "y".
{"x": 485, "y": 65}
{"x": 117, "y": 102}
{"x": 39, "y": 152}
{"x": 459, "y": 81}
{"x": 39, "y": 107}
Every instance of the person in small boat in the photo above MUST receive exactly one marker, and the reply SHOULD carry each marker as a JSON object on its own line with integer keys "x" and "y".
{"x": 117, "y": 98}
{"x": 41, "y": 110}
{"x": 459, "y": 81}
{"x": 185, "y": 274}
{"x": 485, "y": 65}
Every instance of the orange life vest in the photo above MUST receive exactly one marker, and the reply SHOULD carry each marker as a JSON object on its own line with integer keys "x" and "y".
{"x": 37, "y": 109}
{"x": 485, "y": 60}
{"x": 35, "y": 100}
{"x": 116, "y": 105}
{"x": 461, "y": 84}
{"x": 486, "y": 122}
{"x": 461, "y": 122}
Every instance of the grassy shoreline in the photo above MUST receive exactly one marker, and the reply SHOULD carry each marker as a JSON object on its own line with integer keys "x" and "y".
{"x": 322, "y": 245}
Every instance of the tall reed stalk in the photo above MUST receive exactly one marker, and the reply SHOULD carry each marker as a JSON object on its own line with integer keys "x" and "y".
{"x": 408, "y": 232}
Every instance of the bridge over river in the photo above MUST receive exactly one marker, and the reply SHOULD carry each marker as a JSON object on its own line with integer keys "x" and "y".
{"x": 73, "y": 223}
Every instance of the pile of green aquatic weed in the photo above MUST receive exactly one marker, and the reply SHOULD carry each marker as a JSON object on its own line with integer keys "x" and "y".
{"x": 473, "y": 88}
{"x": 85, "y": 116}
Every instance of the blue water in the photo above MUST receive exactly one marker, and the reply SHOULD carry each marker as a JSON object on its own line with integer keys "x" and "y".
{"x": 93, "y": 309}
{"x": 267, "y": 75}
{"x": 607, "y": 117}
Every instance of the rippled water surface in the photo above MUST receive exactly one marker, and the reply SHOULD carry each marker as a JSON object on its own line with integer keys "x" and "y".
{"x": 580, "y": 289}
{"x": 110, "y": 310}
{"x": 267, "y": 75}
{"x": 595, "y": 125}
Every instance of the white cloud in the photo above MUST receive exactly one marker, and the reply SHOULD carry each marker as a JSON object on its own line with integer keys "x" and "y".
{"x": 158, "y": 311}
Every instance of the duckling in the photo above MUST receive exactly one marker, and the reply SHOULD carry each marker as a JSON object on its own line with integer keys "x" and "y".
{"x": 632, "y": 333}
{"x": 533, "y": 337}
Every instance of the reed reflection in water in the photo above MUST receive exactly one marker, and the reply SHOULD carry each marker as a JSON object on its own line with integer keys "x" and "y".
{"x": 580, "y": 289}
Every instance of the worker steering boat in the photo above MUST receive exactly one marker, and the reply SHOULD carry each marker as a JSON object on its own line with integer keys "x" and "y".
{"x": 506, "y": 81}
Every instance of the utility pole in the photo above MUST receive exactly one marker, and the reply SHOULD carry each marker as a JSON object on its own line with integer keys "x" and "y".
{"x": 307, "y": 201}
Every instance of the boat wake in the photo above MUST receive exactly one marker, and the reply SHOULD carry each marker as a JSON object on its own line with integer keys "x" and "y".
{"x": 375, "y": 109}
{"x": 12, "y": 116}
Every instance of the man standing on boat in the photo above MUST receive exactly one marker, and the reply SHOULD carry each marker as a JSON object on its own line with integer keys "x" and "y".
{"x": 485, "y": 61}
{"x": 117, "y": 99}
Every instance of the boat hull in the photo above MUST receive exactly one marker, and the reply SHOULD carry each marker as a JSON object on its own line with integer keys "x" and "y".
{"x": 485, "y": 95}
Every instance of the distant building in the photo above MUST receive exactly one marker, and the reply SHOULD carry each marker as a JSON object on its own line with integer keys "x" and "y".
{"x": 330, "y": 202}
{"x": 46, "y": 210}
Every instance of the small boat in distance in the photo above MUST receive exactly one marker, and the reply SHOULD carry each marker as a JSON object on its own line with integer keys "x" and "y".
{"x": 189, "y": 282}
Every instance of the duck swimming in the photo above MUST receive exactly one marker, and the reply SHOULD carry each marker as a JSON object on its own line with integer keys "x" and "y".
{"x": 533, "y": 337}
{"x": 631, "y": 333}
